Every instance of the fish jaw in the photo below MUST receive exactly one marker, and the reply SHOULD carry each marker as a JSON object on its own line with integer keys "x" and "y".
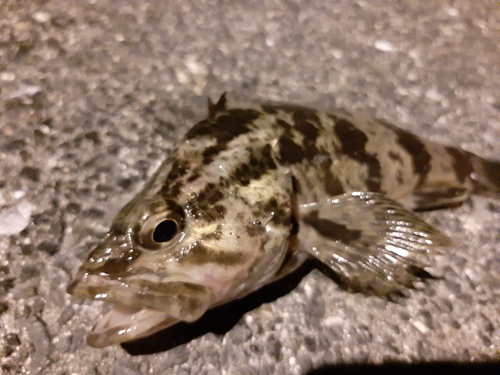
{"x": 143, "y": 306}
{"x": 125, "y": 323}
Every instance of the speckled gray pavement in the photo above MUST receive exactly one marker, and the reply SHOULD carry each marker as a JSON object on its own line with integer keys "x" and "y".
{"x": 94, "y": 94}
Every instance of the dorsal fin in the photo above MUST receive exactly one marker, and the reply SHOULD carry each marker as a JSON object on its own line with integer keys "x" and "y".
{"x": 217, "y": 107}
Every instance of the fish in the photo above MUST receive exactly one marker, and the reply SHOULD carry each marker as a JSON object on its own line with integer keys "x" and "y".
{"x": 254, "y": 190}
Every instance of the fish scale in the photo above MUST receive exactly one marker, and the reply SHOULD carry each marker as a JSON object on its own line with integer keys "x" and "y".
{"x": 252, "y": 191}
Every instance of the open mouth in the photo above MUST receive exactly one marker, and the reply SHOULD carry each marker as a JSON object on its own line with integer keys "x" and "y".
{"x": 125, "y": 323}
{"x": 143, "y": 306}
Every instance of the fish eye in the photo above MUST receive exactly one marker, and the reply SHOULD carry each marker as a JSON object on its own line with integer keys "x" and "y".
{"x": 165, "y": 231}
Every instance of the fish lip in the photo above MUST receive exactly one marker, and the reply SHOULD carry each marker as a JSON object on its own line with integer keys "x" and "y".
{"x": 176, "y": 296}
{"x": 124, "y": 323}
{"x": 145, "y": 304}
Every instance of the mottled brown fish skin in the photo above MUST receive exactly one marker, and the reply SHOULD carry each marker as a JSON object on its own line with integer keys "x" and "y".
{"x": 327, "y": 154}
{"x": 232, "y": 192}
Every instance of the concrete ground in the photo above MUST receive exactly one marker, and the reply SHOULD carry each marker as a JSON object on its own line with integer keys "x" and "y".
{"x": 95, "y": 93}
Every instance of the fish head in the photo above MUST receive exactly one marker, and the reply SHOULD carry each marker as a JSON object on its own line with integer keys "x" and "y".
{"x": 130, "y": 267}
{"x": 163, "y": 261}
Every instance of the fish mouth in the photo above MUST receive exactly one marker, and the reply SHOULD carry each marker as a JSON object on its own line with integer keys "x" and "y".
{"x": 143, "y": 305}
{"x": 125, "y": 323}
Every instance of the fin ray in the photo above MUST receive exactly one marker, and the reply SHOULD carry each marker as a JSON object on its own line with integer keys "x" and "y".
{"x": 372, "y": 242}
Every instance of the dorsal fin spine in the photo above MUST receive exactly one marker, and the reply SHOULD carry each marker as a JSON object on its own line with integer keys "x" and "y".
{"x": 220, "y": 106}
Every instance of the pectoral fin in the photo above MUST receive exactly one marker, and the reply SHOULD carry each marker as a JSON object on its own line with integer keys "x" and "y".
{"x": 373, "y": 243}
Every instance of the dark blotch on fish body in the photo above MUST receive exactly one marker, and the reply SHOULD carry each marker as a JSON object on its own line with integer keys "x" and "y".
{"x": 179, "y": 169}
{"x": 354, "y": 145}
{"x": 416, "y": 148}
{"x": 333, "y": 186}
{"x": 259, "y": 163}
{"x": 195, "y": 174}
{"x": 255, "y": 229}
{"x": 172, "y": 190}
{"x": 331, "y": 230}
{"x": 224, "y": 128}
{"x": 210, "y": 152}
{"x": 298, "y": 111}
{"x": 461, "y": 163}
{"x": 309, "y": 131}
{"x": 212, "y": 236}
{"x": 281, "y": 215}
{"x": 205, "y": 204}
{"x": 172, "y": 185}
{"x": 296, "y": 185}
{"x": 289, "y": 151}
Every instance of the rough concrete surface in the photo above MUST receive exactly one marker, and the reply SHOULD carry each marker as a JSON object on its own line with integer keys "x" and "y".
{"x": 94, "y": 93}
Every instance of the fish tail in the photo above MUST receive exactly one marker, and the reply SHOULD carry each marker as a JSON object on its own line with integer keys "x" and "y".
{"x": 485, "y": 176}
{"x": 452, "y": 175}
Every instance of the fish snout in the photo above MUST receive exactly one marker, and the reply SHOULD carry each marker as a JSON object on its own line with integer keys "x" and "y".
{"x": 183, "y": 300}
